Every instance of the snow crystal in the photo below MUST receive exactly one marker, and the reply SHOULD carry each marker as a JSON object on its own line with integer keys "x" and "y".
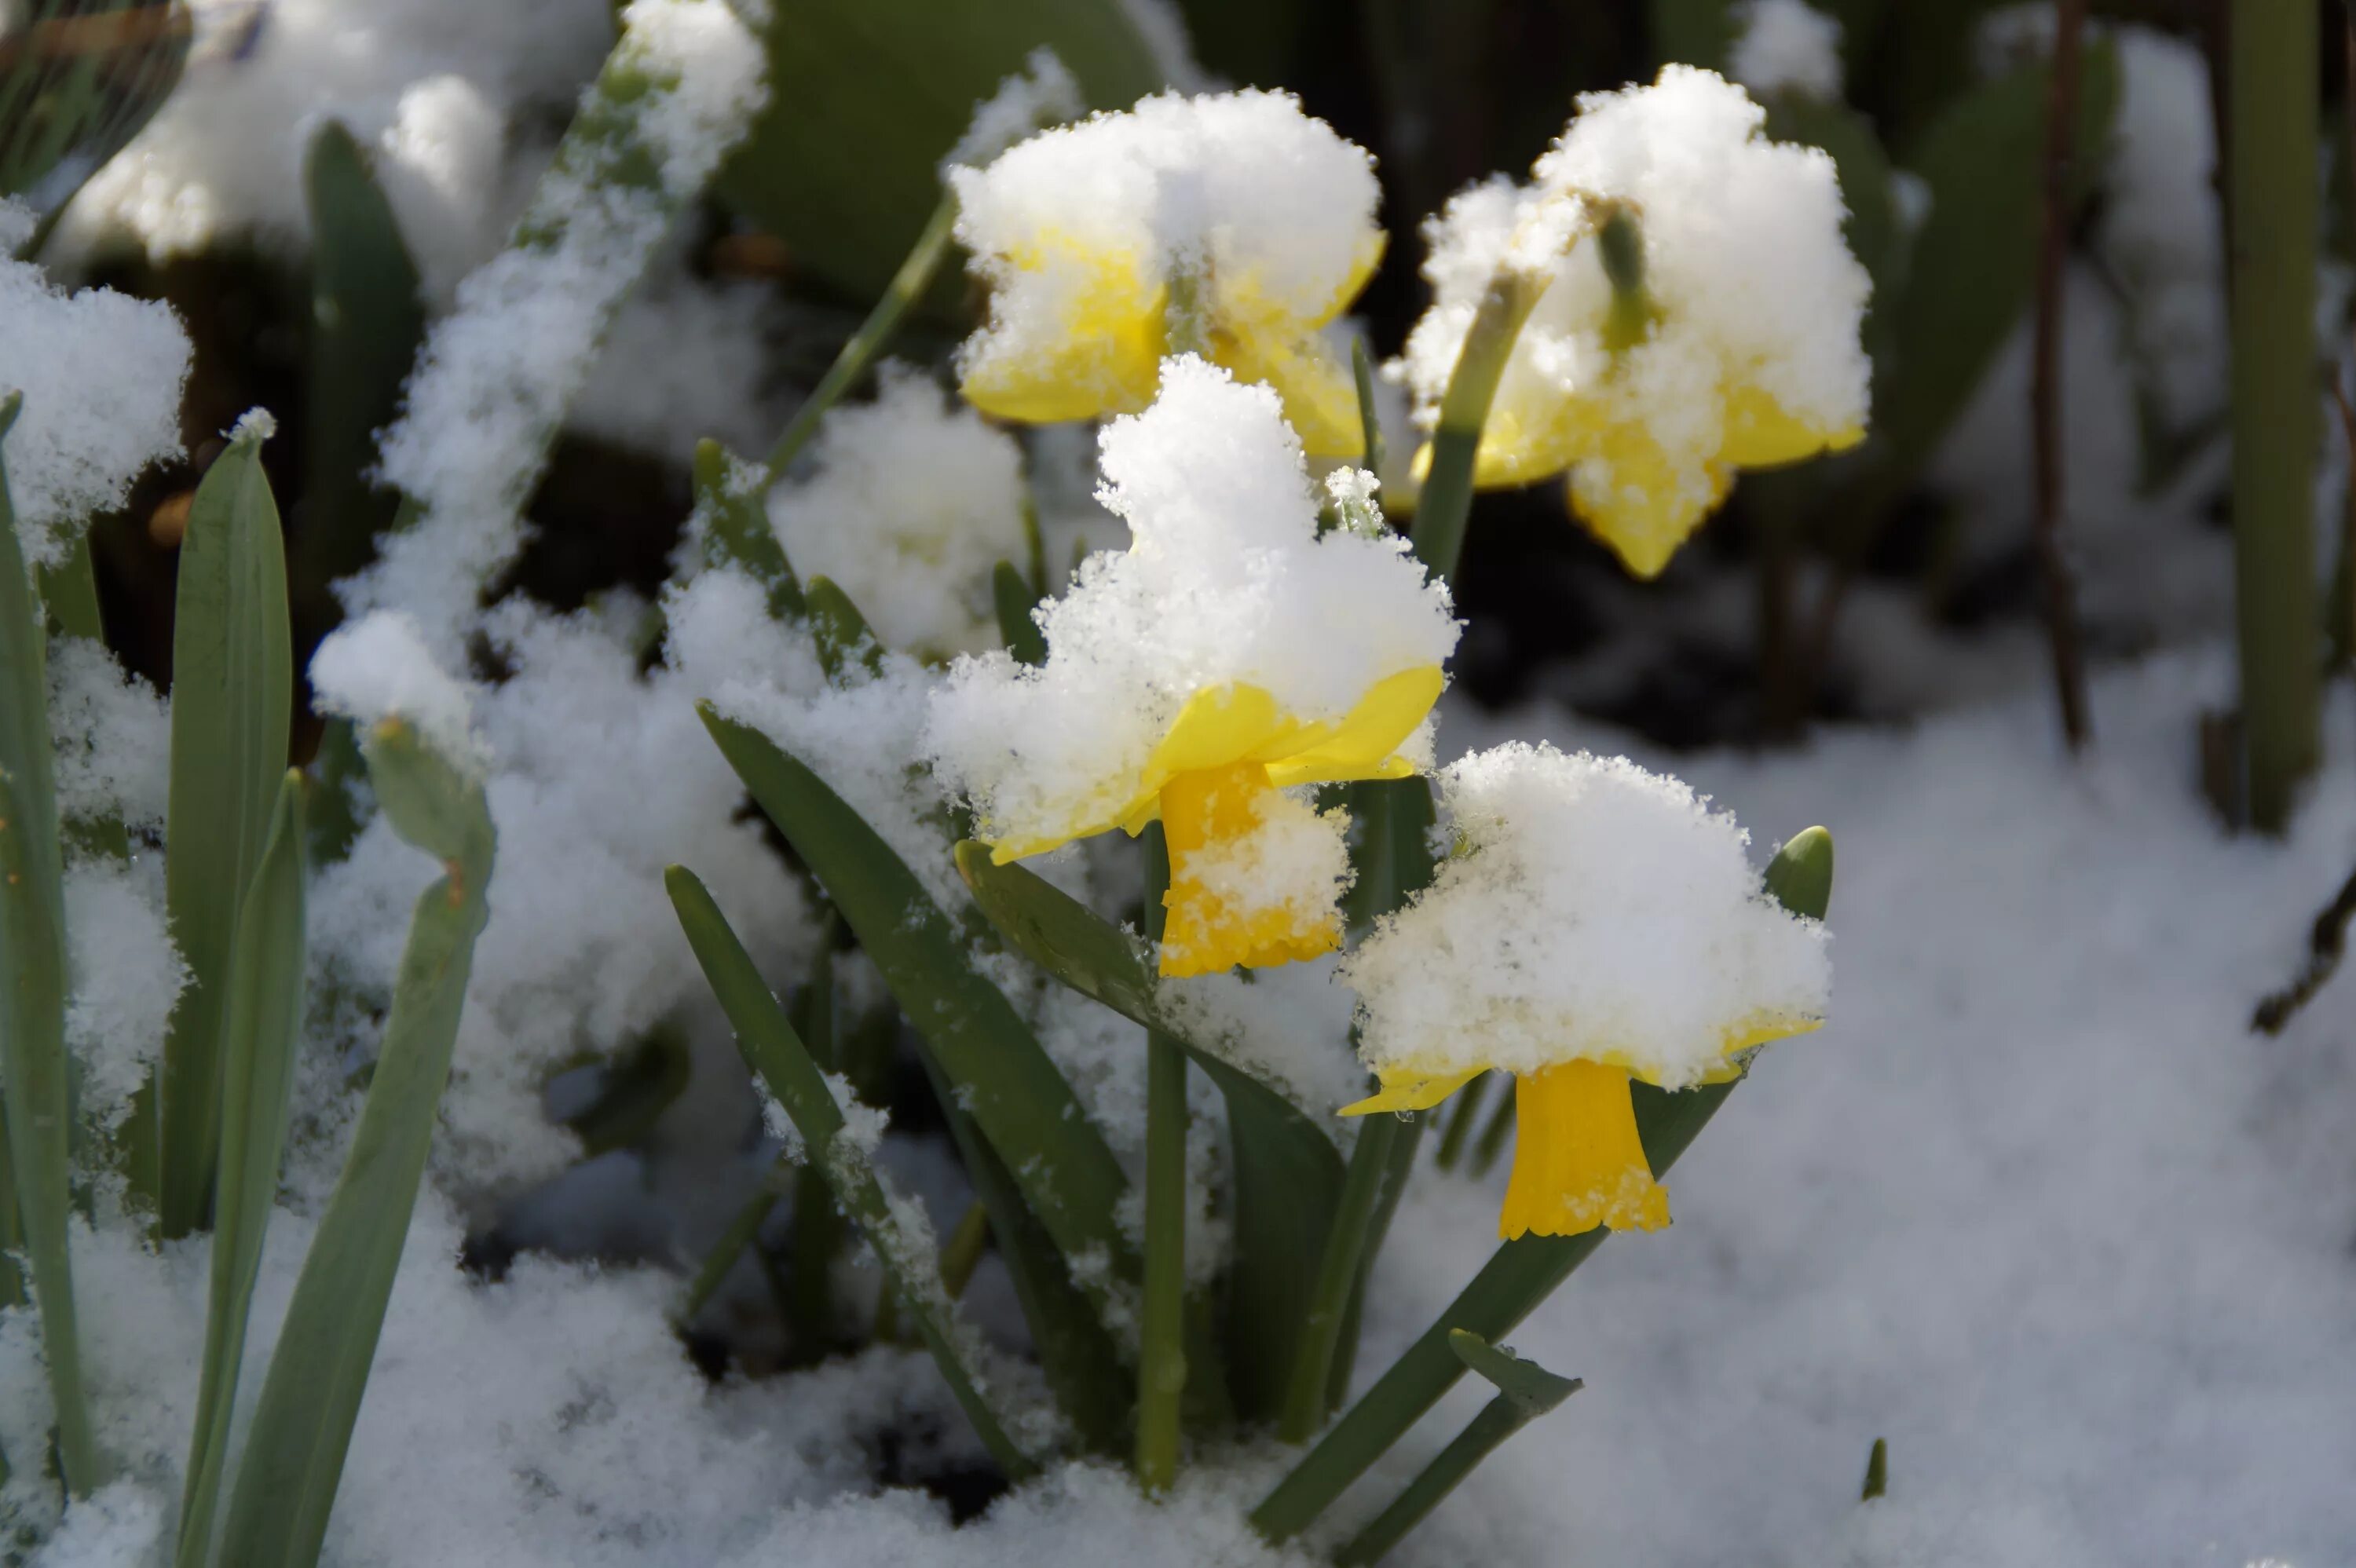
{"x": 1787, "y": 45}
{"x": 378, "y": 667}
{"x": 1041, "y": 93}
{"x": 1596, "y": 911}
{"x": 910, "y": 502}
{"x": 100, "y": 373}
{"x": 496, "y": 375}
{"x": 1750, "y": 280}
{"x": 124, "y": 976}
{"x": 113, "y": 736}
{"x": 1227, "y": 581}
{"x": 120, "y": 1525}
{"x": 1273, "y": 209}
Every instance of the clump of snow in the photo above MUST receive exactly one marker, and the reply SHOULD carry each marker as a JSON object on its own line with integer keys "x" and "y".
{"x": 910, "y": 502}
{"x": 496, "y": 375}
{"x": 378, "y": 667}
{"x": 2159, "y": 233}
{"x": 1750, "y": 285}
{"x": 601, "y": 777}
{"x": 1288, "y": 1026}
{"x": 1041, "y": 93}
{"x": 112, "y": 738}
{"x": 1081, "y": 228}
{"x": 1595, "y": 911}
{"x": 1786, "y": 45}
{"x": 101, "y": 374}
{"x": 687, "y": 358}
{"x": 429, "y": 87}
{"x": 1227, "y": 581}
{"x": 123, "y": 978}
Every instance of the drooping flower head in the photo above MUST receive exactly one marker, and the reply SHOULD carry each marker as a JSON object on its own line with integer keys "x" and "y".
{"x": 1729, "y": 339}
{"x": 1599, "y": 923}
{"x": 1083, "y": 231}
{"x": 1232, "y": 651}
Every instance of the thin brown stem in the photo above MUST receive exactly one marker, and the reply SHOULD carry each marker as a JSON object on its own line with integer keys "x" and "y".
{"x": 2045, "y": 387}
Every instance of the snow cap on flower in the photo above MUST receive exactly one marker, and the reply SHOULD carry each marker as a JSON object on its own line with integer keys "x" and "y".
{"x": 1080, "y": 230}
{"x": 910, "y": 502}
{"x": 1742, "y": 350}
{"x": 1230, "y": 652}
{"x": 1598, "y": 923}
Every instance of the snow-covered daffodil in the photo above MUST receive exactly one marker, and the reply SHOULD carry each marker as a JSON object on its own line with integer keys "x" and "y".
{"x": 1598, "y": 925}
{"x": 1708, "y": 320}
{"x": 1229, "y": 655}
{"x": 1237, "y": 215}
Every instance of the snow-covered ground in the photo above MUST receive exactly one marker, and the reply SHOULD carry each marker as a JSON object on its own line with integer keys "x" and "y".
{"x": 2035, "y": 1207}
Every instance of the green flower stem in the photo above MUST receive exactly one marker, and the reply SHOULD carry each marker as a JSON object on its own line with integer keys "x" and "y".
{"x": 907, "y": 286}
{"x": 961, "y": 1253}
{"x": 742, "y": 1229}
{"x": 1447, "y": 497}
{"x": 819, "y": 1225}
{"x": 1492, "y": 1138}
{"x": 1337, "y": 1277}
{"x": 1161, "y": 1327}
{"x": 1461, "y": 1120}
{"x": 2273, "y": 153}
{"x": 1513, "y": 1408}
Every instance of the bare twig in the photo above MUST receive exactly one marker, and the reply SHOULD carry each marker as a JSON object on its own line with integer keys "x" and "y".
{"x": 2045, "y": 389}
{"x": 2325, "y": 944}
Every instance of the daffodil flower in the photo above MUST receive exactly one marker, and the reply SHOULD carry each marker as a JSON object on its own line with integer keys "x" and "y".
{"x": 1599, "y": 926}
{"x": 1230, "y": 655}
{"x": 1708, "y": 321}
{"x": 1259, "y": 215}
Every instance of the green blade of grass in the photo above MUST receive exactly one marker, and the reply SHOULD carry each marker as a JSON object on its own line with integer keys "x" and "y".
{"x": 264, "y": 1023}
{"x": 732, "y": 521}
{"x": 1082, "y": 1364}
{"x": 844, "y": 638}
{"x": 232, "y": 690}
{"x": 1011, "y": 596}
{"x": 1521, "y": 1273}
{"x": 33, "y": 1065}
{"x": 302, "y": 1428}
{"x": 999, "y": 1071}
{"x": 1288, "y": 1174}
{"x": 367, "y": 321}
{"x": 776, "y": 1053}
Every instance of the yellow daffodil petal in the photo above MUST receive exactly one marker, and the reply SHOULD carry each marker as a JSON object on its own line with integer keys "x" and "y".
{"x": 1578, "y": 1159}
{"x": 1205, "y": 932}
{"x": 1760, "y": 434}
{"x": 1633, "y": 498}
{"x": 1240, "y": 722}
{"x": 1366, "y": 743}
{"x": 1405, "y": 1089}
{"x": 1321, "y": 398}
{"x": 1106, "y": 357}
{"x": 1525, "y": 439}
